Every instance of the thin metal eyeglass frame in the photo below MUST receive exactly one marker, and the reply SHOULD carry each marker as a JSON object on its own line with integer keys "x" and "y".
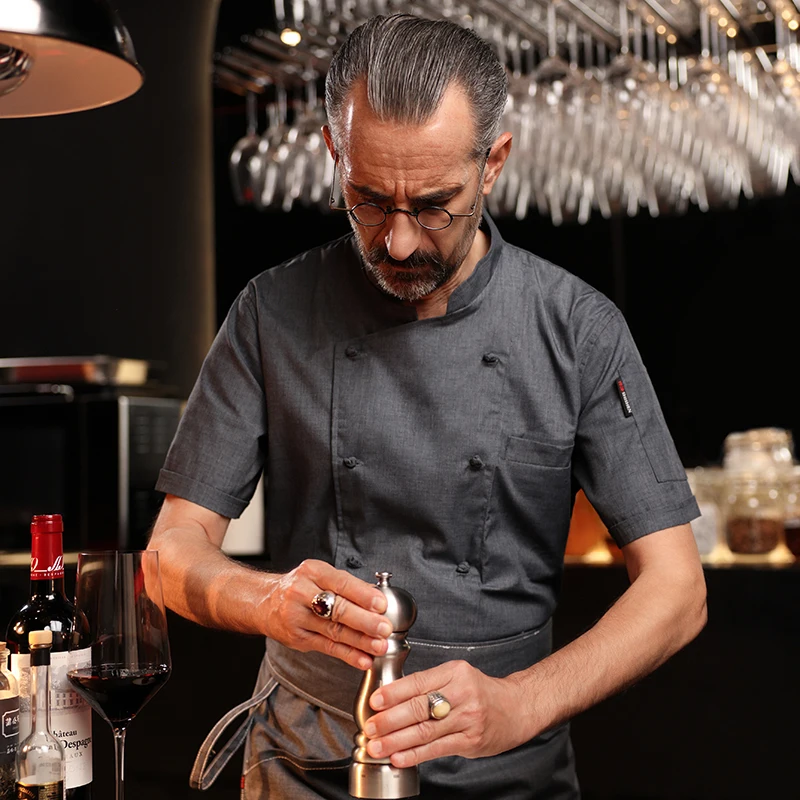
{"x": 415, "y": 213}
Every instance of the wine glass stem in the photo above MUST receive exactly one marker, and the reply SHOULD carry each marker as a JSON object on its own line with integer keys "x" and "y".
{"x": 552, "y": 40}
{"x": 119, "y": 752}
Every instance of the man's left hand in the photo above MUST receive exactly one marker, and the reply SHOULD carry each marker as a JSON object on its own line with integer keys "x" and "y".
{"x": 484, "y": 716}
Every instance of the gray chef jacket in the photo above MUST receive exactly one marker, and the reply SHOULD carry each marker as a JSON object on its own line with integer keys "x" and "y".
{"x": 446, "y": 451}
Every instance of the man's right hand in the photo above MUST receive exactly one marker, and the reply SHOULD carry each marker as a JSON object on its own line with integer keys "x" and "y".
{"x": 356, "y": 630}
{"x": 202, "y": 584}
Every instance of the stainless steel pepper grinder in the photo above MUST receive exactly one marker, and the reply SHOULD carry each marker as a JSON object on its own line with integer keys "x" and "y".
{"x": 376, "y": 777}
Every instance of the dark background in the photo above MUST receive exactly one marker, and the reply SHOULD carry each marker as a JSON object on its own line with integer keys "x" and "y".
{"x": 106, "y": 228}
{"x": 119, "y": 235}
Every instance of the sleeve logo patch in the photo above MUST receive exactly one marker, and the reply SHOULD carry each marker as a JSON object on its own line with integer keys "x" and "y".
{"x": 623, "y": 398}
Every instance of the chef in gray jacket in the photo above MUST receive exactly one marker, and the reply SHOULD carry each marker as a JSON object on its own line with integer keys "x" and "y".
{"x": 424, "y": 398}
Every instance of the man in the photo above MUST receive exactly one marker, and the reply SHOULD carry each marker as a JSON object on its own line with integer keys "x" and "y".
{"x": 425, "y": 399}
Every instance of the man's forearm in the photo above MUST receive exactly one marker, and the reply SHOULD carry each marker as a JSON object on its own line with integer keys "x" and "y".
{"x": 202, "y": 584}
{"x": 657, "y": 615}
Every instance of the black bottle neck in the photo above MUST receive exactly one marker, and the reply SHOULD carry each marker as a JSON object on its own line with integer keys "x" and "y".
{"x": 50, "y": 587}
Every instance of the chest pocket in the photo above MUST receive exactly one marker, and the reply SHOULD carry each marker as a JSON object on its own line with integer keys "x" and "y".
{"x": 529, "y": 513}
{"x": 521, "y": 450}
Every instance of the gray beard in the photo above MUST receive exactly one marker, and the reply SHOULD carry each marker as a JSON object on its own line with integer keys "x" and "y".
{"x": 413, "y": 281}
{"x": 421, "y": 273}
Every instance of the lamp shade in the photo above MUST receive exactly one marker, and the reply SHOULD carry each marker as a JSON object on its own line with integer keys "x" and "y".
{"x": 59, "y": 56}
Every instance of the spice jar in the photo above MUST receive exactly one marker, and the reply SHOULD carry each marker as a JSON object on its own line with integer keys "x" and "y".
{"x": 759, "y": 450}
{"x": 791, "y": 520}
{"x": 706, "y": 484}
{"x": 754, "y": 512}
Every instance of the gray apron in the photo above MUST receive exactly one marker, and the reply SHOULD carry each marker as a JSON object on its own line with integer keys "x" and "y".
{"x": 299, "y": 730}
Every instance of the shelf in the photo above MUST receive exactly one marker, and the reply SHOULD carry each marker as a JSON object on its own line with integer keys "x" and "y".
{"x": 721, "y": 558}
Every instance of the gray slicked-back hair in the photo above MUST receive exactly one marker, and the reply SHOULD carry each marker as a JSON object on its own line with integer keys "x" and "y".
{"x": 407, "y": 63}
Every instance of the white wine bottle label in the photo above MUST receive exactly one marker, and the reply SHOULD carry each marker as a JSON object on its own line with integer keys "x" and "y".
{"x": 48, "y": 791}
{"x": 70, "y": 715}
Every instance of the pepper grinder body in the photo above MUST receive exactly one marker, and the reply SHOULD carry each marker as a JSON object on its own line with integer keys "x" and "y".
{"x": 376, "y": 777}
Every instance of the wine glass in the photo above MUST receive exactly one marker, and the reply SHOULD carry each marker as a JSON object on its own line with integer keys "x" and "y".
{"x": 120, "y": 595}
{"x": 243, "y": 151}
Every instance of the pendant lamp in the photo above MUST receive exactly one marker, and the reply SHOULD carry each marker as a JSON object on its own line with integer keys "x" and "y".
{"x": 59, "y": 56}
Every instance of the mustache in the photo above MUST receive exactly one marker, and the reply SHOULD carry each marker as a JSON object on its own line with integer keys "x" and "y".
{"x": 380, "y": 255}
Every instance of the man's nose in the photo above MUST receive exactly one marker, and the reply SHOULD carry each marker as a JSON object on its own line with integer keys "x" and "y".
{"x": 402, "y": 236}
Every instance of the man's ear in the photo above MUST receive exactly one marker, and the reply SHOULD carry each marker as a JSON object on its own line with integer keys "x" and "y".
{"x": 326, "y": 133}
{"x": 497, "y": 158}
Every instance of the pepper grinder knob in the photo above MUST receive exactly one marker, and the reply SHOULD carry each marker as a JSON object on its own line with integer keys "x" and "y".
{"x": 376, "y": 777}
{"x": 401, "y": 610}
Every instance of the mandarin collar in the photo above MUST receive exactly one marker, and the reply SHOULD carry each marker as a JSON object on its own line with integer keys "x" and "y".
{"x": 467, "y": 292}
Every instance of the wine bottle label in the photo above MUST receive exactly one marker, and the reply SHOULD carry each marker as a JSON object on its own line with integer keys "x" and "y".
{"x": 20, "y": 664}
{"x": 70, "y": 715}
{"x": 9, "y": 728}
{"x": 47, "y": 791}
{"x": 47, "y": 556}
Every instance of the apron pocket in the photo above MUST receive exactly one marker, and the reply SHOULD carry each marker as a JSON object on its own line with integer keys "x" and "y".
{"x": 497, "y": 658}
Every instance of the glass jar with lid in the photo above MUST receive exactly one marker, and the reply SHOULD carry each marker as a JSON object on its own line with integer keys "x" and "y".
{"x": 754, "y": 512}
{"x": 706, "y": 484}
{"x": 759, "y": 450}
{"x": 792, "y": 518}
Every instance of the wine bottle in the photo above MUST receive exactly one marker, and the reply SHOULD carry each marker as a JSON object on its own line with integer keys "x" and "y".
{"x": 40, "y": 765}
{"x": 49, "y": 609}
{"x": 9, "y": 726}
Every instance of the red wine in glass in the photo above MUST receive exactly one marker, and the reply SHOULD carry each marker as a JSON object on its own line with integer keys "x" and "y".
{"x": 118, "y": 694}
{"x": 120, "y": 595}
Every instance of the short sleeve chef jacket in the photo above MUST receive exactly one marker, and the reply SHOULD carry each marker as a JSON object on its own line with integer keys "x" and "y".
{"x": 444, "y": 450}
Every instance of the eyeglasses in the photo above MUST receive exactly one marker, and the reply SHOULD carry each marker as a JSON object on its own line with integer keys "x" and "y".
{"x": 432, "y": 218}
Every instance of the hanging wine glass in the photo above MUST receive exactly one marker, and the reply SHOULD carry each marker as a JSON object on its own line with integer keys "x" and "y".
{"x": 555, "y": 79}
{"x": 623, "y": 64}
{"x": 241, "y": 154}
{"x": 556, "y": 85}
{"x": 725, "y": 164}
{"x": 597, "y": 135}
{"x": 273, "y": 150}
